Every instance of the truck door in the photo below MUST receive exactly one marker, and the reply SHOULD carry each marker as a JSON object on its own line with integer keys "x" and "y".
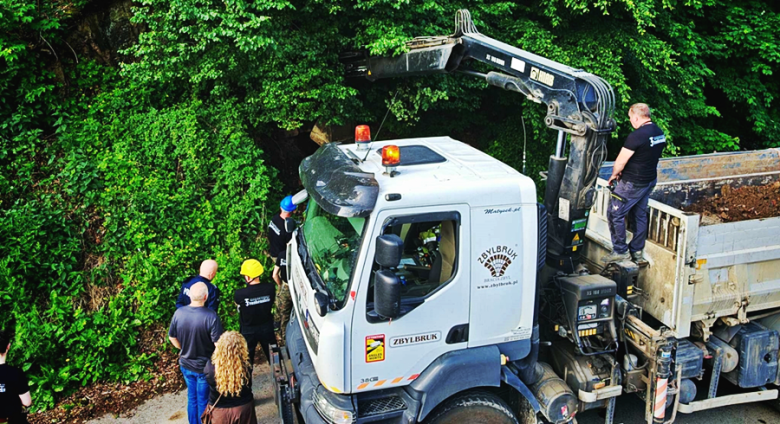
{"x": 434, "y": 319}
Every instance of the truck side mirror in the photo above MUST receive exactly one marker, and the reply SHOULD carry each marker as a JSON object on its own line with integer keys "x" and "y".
{"x": 387, "y": 294}
{"x": 300, "y": 197}
{"x": 289, "y": 225}
{"x": 389, "y": 248}
{"x": 321, "y": 303}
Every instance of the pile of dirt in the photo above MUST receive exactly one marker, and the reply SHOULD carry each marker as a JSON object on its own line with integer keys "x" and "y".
{"x": 739, "y": 204}
{"x": 97, "y": 400}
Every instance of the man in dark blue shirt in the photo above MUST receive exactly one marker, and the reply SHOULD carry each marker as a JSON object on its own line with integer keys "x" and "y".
{"x": 208, "y": 270}
{"x": 635, "y": 173}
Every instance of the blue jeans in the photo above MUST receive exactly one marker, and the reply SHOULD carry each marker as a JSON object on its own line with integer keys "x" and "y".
{"x": 197, "y": 394}
{"x": 633, "y": 206}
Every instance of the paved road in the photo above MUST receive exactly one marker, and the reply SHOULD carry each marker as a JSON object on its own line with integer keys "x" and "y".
{"x": 172, "y": 409}
{"x": 630, "y": 410}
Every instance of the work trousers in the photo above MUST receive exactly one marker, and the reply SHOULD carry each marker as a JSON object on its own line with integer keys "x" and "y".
{"x": 284, "y": 307}
{"x": 632, "y": 205}
{"x": 263, "y": 335}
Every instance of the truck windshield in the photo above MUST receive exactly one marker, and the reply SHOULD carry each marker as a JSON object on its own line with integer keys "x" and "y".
{"x": 333, "y": 244}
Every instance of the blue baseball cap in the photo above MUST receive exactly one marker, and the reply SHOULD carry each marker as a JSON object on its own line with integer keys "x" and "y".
{"x": 287, "y": 204}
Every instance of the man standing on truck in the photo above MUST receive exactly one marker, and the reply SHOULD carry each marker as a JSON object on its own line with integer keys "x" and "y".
{"x": 208, "y": 270}
{"x": 278, "y": 237}
{"x": 635, "y": 173}
{"x": 254, "y": 309}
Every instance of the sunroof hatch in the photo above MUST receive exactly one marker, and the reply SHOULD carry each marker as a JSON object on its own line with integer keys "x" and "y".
{"x": 417, "y": 155}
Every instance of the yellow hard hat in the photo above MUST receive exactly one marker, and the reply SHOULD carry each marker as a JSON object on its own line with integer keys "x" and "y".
{"x": 252, "y": 268}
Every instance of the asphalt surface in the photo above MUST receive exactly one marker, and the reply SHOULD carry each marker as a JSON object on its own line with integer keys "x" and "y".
{"x": 631, "y": 410}
{"x": 172, "y": 409}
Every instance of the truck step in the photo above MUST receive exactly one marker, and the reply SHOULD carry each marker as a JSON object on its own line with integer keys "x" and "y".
{"x": 371, "y": 407}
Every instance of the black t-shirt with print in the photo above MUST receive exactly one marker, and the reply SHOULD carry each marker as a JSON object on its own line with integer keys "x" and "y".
{"x": 281, "y": 262}
{"x": 648, "y": 143}
{"x": 254, "y": 306}
{"x": 13, "y": 383}
{"x": 278, "y": 237}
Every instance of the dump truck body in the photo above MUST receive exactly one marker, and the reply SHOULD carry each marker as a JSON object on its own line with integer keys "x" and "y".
{"x": 700, "y": 270}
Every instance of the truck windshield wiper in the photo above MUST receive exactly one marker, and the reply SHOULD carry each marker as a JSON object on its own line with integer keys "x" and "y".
{"x": 311, "y": 271}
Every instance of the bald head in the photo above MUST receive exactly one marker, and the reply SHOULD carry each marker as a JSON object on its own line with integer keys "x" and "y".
{"x": 208, "y": 269}
{"x": 639, "y": 114}
{"x": 198, "y": 294}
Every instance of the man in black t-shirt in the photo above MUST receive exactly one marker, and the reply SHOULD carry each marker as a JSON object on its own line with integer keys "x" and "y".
{"x": 194, "y": 329}
{"x": 254, "y": 309}
{"x": 14, "y": 388}
{"x": 278, "y": 237}
{"x": 635, "y": 172}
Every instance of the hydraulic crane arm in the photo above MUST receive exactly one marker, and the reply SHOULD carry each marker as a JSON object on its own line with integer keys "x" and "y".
{"x": 578, "y": 103}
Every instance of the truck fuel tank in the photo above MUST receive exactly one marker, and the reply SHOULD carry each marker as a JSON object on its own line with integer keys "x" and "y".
{"x": 757, "y": 347}
{"x": 589, "y": 376}
{"x": 558, "y": 402}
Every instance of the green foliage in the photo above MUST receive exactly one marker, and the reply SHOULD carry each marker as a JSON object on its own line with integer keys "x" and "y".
{"x": 115, "y": 183}
{"x": 137, "y": 199}
{"x": 109, "y": 197}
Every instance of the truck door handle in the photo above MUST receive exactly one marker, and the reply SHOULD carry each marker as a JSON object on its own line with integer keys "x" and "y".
{"x": 458, "y": 334}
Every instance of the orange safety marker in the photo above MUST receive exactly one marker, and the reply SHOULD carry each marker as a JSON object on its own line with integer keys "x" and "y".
{"x": 659, "y": 408}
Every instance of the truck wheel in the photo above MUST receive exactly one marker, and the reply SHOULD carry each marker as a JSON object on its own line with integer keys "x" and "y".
{"x": 525, "y": 412}
{"x": 473, "y": 407}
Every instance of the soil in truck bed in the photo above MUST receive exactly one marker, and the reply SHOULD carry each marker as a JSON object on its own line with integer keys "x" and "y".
{"x": 739, "y": 204}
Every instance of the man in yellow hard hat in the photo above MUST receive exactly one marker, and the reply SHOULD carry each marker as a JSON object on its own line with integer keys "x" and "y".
{"x": 254, "y": 309}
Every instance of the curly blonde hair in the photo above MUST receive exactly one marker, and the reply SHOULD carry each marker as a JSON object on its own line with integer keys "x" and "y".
{"x": 231, "y": 363}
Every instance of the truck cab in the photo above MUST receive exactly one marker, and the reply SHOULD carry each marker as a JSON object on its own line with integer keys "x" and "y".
{"x": 457, "y": 291}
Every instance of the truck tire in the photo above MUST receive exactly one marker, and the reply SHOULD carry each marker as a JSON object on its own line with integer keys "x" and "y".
{"x": 473, "y": 407}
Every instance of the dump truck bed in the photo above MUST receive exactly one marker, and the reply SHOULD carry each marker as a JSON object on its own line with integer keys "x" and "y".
{"x": 700, "y": 272}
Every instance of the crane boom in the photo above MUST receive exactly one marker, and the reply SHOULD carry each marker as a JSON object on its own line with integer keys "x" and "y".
{"x": 579, "y": 104}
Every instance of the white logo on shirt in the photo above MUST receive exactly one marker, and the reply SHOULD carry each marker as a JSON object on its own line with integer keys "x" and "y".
{"x": 2, "y": 388}
{"x": 257, "y": 300}
{"x": 657, "y": 140}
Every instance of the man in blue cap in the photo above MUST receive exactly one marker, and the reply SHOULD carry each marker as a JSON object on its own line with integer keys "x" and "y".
{"x": 278, "y": 237}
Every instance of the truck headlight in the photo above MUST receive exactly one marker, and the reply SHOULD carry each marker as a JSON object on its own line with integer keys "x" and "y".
{"x": 333, "y": 408}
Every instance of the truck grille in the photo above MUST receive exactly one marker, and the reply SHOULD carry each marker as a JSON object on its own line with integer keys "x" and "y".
{"x": 373, "y": 407}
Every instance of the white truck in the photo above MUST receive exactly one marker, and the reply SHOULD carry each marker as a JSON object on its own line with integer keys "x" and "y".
{"x": 430, "y": 286}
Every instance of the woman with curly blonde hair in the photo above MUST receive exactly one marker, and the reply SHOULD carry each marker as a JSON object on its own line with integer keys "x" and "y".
{"x": 229, "y": 376}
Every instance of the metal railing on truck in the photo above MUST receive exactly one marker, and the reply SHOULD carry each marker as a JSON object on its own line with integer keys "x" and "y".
{"x": 665, "y": 291}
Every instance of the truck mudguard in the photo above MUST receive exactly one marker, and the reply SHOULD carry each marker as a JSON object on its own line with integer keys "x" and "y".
{"x": 455, "y": 372}
{"x": 508, "y": 377}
